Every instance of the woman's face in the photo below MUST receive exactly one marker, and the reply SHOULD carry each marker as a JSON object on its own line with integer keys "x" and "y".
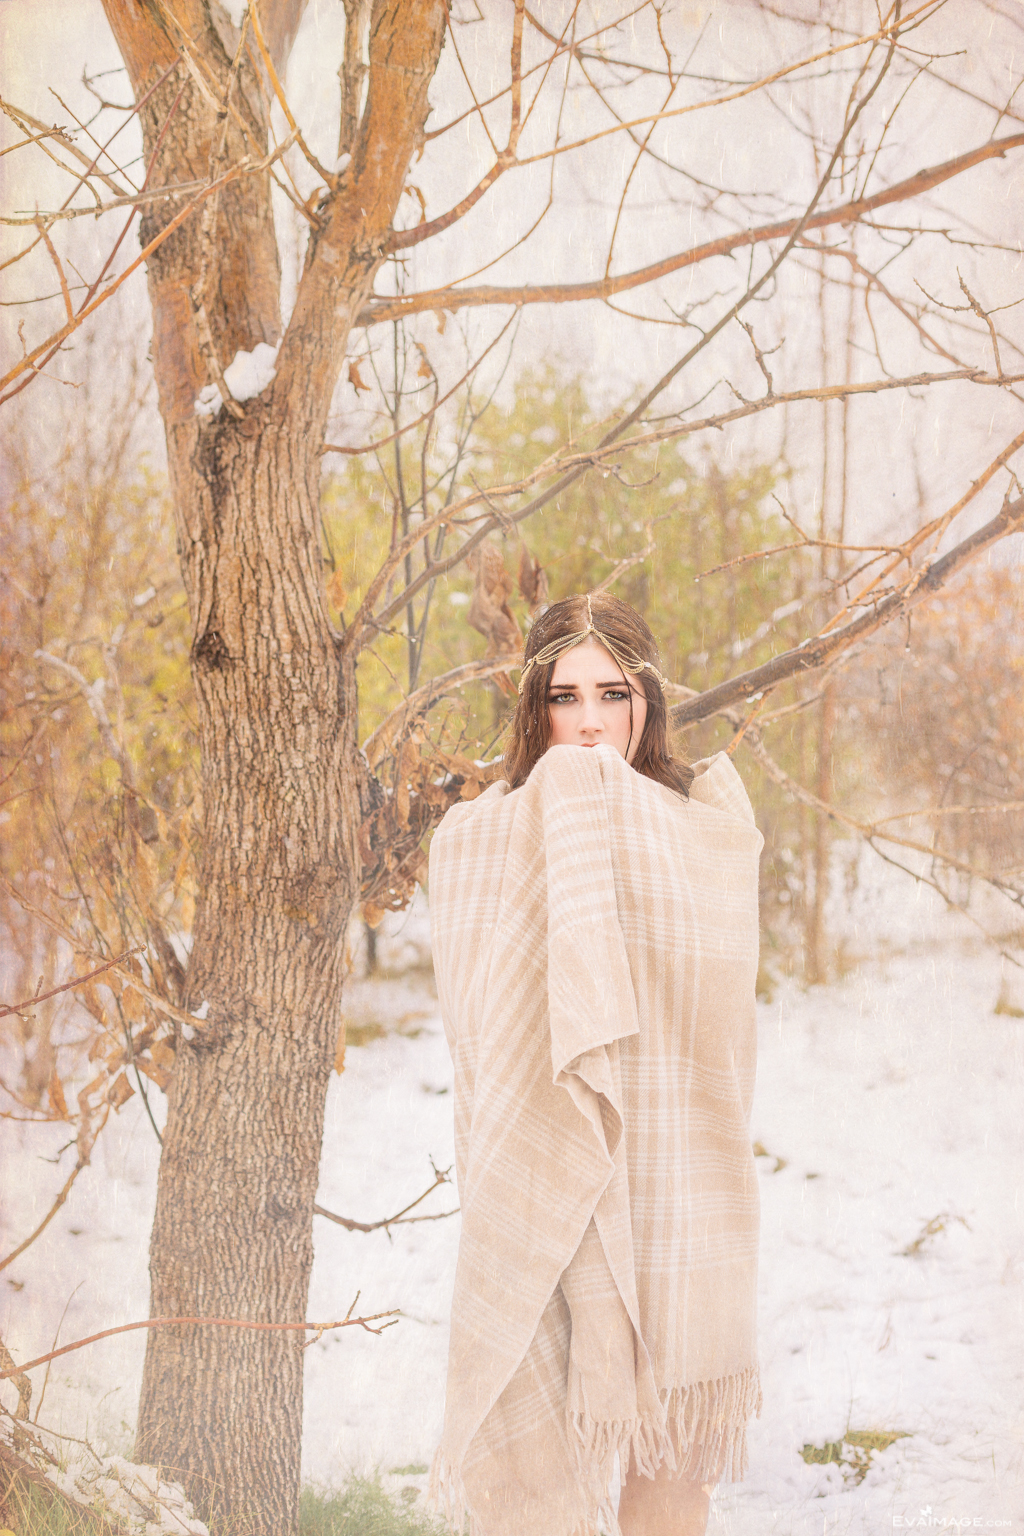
{"x": 589, "y": 702}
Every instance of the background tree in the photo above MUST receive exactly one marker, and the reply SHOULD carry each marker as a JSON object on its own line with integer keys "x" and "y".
{"x": 294, "y": 819}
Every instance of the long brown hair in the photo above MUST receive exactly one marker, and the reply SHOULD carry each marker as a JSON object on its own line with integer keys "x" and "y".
{"x": 530, "y": 730}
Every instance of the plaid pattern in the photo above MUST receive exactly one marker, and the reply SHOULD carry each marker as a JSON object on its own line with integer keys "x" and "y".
{"x": 595, "y": 946}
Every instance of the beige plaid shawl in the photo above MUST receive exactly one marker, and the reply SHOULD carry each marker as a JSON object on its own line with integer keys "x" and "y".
{"x": 595, "y": 945}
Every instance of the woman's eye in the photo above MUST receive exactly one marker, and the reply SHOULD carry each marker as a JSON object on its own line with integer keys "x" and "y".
{"x": 561, "y": 698}
{"x": 616, "y": 694}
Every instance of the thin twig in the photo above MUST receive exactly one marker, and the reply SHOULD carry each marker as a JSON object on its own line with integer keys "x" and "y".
{"x": 983, "y": 314}
{"x": 440, "y": 1177}
{"x": 295, "y": 135}
{"x": 211, "y": 1322}
{"x": 76, "y": 981}
{"x": 382, "y": 442}
{"x": 932, "y": 530}
{"x": 814, "y": 651}
{"x": 51, "y": 1213}
{"x": 383, "y": 308}
{"x": 952, "y": 810}
{"x": 421, "y": 700}
{"x": 56, "y": 1336}
{"x": 245, "y": 166}
{"x": 376, "y": 1226}
{"x": 69, "y": 308}
{"x": 869, "y": 830}
{"x": 161, "y": 1004}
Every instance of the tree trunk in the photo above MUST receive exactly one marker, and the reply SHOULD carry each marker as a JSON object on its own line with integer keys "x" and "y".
{"x": 233, "y": 1229}
{"x": 817, "y": 939}
{"x": 276, "y": 700}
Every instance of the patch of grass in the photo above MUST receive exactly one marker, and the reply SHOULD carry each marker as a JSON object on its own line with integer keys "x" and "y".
{"x": 853, "y": 1452}
{"x": 32, "y": 1511}
{"x": 928, "y": 1231}
{"x": 764, "y": 986}
{"x": 875, "y": 1439}
{"x": 367, "y": 1030}
{"x": 362, "y": 1034}
{"x": 760, "y": 1150}
{"x": 364, "y": 1508}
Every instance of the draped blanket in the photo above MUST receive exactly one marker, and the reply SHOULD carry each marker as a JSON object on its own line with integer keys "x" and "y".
{"x": 595, "y": 946}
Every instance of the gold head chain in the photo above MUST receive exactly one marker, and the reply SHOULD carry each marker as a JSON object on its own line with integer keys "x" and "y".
{"x": 627, "y": 659}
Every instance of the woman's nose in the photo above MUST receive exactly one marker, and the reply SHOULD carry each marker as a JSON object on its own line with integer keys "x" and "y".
{"x": 590, "y": 718}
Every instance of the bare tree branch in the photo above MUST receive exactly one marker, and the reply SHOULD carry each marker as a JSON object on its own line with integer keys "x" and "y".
{"x": 42, "y": 131}
{"x": 41, "y": 1228}
{"x": 67, "y": 986}
{"x": 427, "y": 415}
{"x": 253, "y": 12}
{"x": 402, "y": 239}
{"x": 161, "y": 1004}
{"x": 933, "y": 530}
{"x": 244, "y": 167}
{"x": 872, "y": 834}
{"x": 417, "y": 703}
{"x": 569, "y": 467}
{"x": 814, "y": 653}
{"x": 211, "y": 1322}
{"x": 452, "y": 299}
{"x": 441, "y": 1176}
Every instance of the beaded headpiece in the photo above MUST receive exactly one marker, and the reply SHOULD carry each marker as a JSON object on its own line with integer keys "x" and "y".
{"x": 627, "y": 658}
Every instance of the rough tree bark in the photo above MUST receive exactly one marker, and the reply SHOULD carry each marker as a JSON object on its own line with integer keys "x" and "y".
{"x": 277, "y": 723}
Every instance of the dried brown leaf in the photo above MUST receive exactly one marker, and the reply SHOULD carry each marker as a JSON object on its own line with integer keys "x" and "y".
{"x": 86, "y": 1093}
{"x": 120, "y": 1091}
{"x": 55, "y": 1091}
{"x": 489, "y": 611}
{"x": 89, "y": 998}
{"x": 146, "y": 872}
{"x": 424, "y": 371}
{"x": 533, "y": 581}
{"x": 132, "y": 1006}
{"x": 162, "y": 1052}
{"x": 336, "y": 592}
{"x": 155, "y": 1072}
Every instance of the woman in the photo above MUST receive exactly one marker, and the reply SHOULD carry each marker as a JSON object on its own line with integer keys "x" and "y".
{"x": 595, "y": 945}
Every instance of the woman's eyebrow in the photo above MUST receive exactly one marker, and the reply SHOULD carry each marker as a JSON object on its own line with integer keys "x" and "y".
{"x": 616, "y": 682}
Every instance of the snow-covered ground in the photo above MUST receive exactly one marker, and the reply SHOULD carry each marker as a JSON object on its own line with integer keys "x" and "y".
{"x": 885, "y": 1101}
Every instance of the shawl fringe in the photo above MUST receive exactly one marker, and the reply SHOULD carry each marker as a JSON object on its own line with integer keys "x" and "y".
{"x": 636, "y": 1442}
{"x": 702, "y": 1436}
{"x": 707, "y": 1423}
